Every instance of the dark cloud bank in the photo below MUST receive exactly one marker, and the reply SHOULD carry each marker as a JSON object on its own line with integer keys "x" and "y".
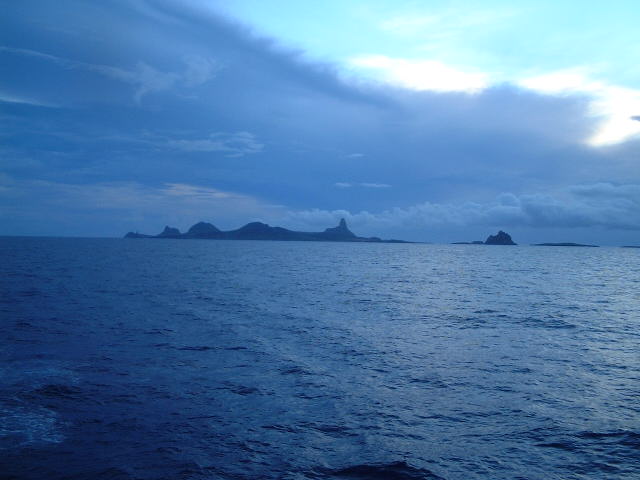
{"x": 125, "y": 116}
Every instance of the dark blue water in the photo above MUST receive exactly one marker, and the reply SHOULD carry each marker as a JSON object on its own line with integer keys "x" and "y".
{"x": 147, "y": 359}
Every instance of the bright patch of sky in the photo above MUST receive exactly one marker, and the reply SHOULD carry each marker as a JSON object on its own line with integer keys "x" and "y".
{"x": 555, "y": 48}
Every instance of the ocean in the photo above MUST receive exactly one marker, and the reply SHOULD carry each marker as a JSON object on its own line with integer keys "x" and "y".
{"x": 196, "y": 359}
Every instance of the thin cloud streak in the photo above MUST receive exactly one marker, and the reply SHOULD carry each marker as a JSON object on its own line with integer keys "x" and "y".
{"x": 233, "y": 145}
{"x": 8, "y": 98}
{"x": 361, "y": 184}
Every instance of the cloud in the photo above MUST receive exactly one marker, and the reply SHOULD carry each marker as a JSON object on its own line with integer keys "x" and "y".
{"x": 199, "y": 70}
{"x": 598, "y": 205}
{"x": 422, "y": 75}
{"x": 234, "y": 145}
{"x": 448, "y": 24}
{"x": 116, "y": 207}
{"x": 607, "y": 191}
{"x": 39, "y": 55}
{"x": 144, "y": 77}
{"x": 207, "y": 88}
{"x": 119, "y": 195}
{"x": 8, "y": 98}
{"x": 362, "y": 184}
{"x": 615, "y": 106}
{"x": 198, "y": 192}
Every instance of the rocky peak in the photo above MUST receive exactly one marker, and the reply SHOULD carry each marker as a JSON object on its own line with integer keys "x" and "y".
{"x": 203, "y": 229}
{"x": 340, "y": 231}
{"x": 501, "y": 238}
{"x": 254, "y": 227}
{"x": 170, "y": 232}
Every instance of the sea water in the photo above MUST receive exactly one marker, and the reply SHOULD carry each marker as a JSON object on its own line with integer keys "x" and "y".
{"x": 196, "y": 359}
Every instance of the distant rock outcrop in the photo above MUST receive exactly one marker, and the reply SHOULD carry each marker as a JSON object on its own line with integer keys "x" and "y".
{"x": 341, "y": 232}
{"x": 563, "y": 244}
{"x": 137, "y": 235}
{"x": 501, "y": 238}
{"x": 262, "y": 231}
{"x": 169, "y": 232}
{"x": 203, "y": 230}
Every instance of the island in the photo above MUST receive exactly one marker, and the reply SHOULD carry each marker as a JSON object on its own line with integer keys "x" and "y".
{"x": 262, "y": 231}
{"x": 501, "y": 238}
{"x": 562, "y": 244}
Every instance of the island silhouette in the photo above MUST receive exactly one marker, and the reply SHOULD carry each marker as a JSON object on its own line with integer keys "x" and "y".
{"x": 339, "y": 233}
{"x": 500, "y": 238}
{"x": 563, "y": 244}
{"x": 263, "y": 231}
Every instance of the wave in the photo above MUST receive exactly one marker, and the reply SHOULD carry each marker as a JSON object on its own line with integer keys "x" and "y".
{"x": 384, "y": 471}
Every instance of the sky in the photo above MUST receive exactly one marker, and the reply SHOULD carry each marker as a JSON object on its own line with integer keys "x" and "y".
{"x": 435, "y": 121}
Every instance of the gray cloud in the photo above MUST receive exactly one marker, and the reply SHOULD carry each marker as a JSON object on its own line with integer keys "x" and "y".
{"x": 118, "y": 207}
{"x": 206, "y": 87}
{"x": 145, "y": 78}
{"x": 582, "y": 206}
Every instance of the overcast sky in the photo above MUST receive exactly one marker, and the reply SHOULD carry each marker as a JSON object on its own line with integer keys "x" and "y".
{"x": 423, "y": 120}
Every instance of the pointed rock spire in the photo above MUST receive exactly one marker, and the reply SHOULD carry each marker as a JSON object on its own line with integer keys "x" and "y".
{"x": 339, "y": 232}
